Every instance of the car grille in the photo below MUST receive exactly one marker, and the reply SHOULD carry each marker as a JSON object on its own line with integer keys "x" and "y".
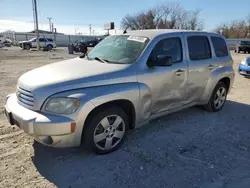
{"x": 25, "y": 97}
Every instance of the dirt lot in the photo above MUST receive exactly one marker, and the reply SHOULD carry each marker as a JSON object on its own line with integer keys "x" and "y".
{"x": 191, "y": 148}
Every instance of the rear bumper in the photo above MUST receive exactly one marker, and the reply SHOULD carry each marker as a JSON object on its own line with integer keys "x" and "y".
{"x": 244, "y": 70}
{"x": 52, "y": 130}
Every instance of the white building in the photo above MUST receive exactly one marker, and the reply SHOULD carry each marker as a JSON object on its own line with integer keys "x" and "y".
{"x": 60, "y": 38}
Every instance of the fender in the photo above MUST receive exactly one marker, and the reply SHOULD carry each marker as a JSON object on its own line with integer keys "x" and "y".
{"x": 217, "y": 75}
{"x": 107, "y": 93}
{"x": 146, "y": 102}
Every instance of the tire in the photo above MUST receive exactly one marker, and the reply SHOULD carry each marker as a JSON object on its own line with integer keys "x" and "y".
{"x": 103, "y": 140}
{"x": 49, "y": 47}
{"x": 238, "y": 51}
{"x": 245, "y": 51}
{"x": 27, "y": 46}
{"x": 212, "y": 105}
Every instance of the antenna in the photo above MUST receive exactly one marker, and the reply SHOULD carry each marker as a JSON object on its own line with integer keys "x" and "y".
{"x": 125, "y": 31}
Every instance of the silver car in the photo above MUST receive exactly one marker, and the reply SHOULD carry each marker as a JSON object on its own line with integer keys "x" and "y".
{"x": 123, "y": 83}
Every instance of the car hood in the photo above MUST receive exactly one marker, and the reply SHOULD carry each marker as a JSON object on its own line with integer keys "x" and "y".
{"x": 74, "y": 74}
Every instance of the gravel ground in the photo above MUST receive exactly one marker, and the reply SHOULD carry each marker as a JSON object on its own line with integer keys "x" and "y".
{"x": 191, "y": 148}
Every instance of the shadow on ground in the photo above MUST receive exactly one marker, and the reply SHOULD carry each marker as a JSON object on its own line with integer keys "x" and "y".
{"x": 191, "y": 148}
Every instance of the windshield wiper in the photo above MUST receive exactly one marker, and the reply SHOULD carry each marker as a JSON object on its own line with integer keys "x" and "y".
{"x": 101, "y": 60}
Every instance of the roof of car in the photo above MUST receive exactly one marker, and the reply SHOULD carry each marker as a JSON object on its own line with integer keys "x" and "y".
{"x": 152, "y": 33}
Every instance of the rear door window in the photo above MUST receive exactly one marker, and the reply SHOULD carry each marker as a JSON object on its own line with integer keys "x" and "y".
{"x": 199, "y": 48}
{"x": 220, "y": 46}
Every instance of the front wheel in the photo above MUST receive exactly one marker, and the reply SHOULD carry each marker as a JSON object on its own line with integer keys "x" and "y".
{"x": 27, "y": 46}
{"x": 218, "y": 98}
{"x": 106, "y": 130}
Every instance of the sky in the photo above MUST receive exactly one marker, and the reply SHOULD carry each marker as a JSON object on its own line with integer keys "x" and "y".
{"x": 70, "y": 16}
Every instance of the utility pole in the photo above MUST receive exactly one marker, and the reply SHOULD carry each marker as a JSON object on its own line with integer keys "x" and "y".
{"x": 49, "y": 18}
{"x": 90, "y": 29}
{"x": 52, "y": 27}
{"x": 33, "y": 8}
{"x": 76, "y": 30}
{"x": 37, "y": 31}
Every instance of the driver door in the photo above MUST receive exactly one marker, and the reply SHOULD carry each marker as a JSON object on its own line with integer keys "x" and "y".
{"x": 166, "y": 83}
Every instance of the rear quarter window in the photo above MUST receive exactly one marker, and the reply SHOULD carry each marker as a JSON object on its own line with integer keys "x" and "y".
{"x": 220, "y": 46}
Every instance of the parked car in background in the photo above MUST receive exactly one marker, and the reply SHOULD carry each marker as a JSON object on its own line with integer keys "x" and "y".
{"x": 123, "y": 83}
{"x": 242, "y": 46}
{"x": 1, "y": 43}
{"x": 244, "y": 67}
{"x": 92, "y": 43}
{"x": 7, "y": 42}
{"x": 43, "y": 43}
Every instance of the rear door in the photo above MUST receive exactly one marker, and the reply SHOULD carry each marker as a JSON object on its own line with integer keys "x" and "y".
{"x": 33, "y": 43}
{"x": 42, "y": 42}
{"x": 199, "y": 55}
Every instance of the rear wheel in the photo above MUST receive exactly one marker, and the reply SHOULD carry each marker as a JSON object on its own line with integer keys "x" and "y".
{"x": 218, "y": 98}
{"x": 49, "y": 47}
{"x": 105, "y": 132}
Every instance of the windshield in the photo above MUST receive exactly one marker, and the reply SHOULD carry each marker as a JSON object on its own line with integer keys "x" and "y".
{"x": 33, "y": 39}
{"x": 245, "y": 42}
{"x": 120, "y": 49}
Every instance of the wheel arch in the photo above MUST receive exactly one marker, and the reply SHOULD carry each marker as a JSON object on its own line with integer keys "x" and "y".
{"x": 124, "y": 104}
{"x": 225, "y": 75}
{"x": 226, "y": 81}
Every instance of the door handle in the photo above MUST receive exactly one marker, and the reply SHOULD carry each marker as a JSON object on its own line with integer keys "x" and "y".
{"x": 210, "y": 67}
{"x": 179, "y": 72}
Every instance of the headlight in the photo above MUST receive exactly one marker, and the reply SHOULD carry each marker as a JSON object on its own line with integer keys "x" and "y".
{"x": 243, "y": 62}
{"x": 62, "y": 105}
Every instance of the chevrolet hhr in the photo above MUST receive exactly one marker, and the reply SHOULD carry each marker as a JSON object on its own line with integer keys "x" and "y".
{"x": 122, "y": 83}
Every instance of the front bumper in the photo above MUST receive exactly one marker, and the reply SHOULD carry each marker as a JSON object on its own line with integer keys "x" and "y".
{"x": 244, "y": 70}
{"x": 51, "y": 130}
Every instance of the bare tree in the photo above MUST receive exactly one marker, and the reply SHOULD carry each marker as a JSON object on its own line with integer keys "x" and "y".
{"x": 235, "y": 29}
{"x": 165, "y": 16}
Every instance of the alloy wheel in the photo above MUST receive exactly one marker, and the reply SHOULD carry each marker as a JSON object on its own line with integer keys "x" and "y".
{"x": 220, "y": 97}
{"x": 109, "y": 132}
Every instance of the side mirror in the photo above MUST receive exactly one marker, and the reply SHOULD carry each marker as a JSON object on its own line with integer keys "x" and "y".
{"x": 161, "y": 60}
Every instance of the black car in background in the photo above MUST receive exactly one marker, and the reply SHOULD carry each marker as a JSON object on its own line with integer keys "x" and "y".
{"x": 243, "y": 46}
